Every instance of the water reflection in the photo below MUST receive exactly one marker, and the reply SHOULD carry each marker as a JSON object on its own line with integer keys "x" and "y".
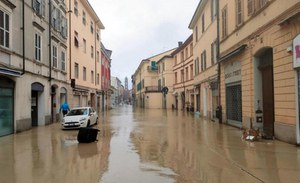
{"x": 146, "y": 146}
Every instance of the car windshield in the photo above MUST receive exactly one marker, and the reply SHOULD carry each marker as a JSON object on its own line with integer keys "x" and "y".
{"x": 77, "y": 112}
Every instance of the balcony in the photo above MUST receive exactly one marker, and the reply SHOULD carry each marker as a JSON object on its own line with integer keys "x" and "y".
{"x": 153, "y": 89}
{"x": 151, "y": 68}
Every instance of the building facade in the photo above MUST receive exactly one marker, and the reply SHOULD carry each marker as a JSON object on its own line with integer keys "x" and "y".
{"x": 166, "y": 81}
{"x": 37, "y": 73}
{"x": 85, "y": 54}
{"x": 33, "y": 55}
{"x": 183, "y": 70}
{"x": 147, "y": 93}
{"x": 116, "y": 96}
{"x": 259, "y": 83}
{"x": 104, "y": 100}
{"x": 204, "y": 26}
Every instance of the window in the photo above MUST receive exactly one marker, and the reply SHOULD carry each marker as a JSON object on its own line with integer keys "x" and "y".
{"x": 213, "y": 53}
{"x": 186, "y": 73}
{"x": 4, "y": 29}
{"x": 92, "y": 51}
{"x": 37, "y": 46}
{"x": 76, "y": 8}
{"x": 64, "y": 27}
{"x": 224, "y": 22}
{"x": 175, "y": 59}
{"x": 191, "y": 49}
{"x": 98, "y": 35}
{"x": 54, "y": 16}
{"x": 182, "y": 75}
{"x": 83, "y": 18}
{"x": 92, "y": 76}
{"x": 176, "y": 77}
{"x": 203, "y": 23}
{"x": 63, "y": 60}
{"x": 213, "y": 9}
{"x": 196, "y": 33}
{"x": 250, "y": 7}
{"x": 98, "y": 55}
{"x": 92, "y": 27}
{"x": 197, "y": 66}
{"x": 39, "y": 7}
{"x": 76, "y": 71}
{"x": 54, "y": 56}
{"x": 191, "y": 71}
{"x": 163, "y": 66}
{"x": 182, "y": 56}
{"x": 203, "y": 60}
{"x": 98, "y": 79}
{"x": 84, "y": 45}
{"x": 186, "y": 53}
{"x": 239, "y": 13}
{"x": 76, "y": 42}
{"x": 84, "y": 74}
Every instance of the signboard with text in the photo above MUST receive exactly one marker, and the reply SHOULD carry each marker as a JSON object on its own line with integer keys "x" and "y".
{"x": 296, "y": 52}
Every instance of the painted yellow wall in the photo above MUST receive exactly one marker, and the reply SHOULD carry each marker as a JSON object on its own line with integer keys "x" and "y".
{"x": 78, "y": 55}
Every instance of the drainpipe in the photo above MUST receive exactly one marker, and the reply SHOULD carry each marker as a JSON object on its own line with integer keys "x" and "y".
{"x": 50, "y": 17}
{"x": 218, "y": 57}
{"x": 23, "y": 34}
{"x": 70, "y": 40}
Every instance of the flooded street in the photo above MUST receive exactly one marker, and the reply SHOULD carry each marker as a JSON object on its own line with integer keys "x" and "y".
{"x": 146, "y": 146}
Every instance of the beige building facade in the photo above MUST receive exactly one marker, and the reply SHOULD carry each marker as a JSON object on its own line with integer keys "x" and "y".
{"x": 204, "y": 26}
{"x": 259, "y": 83}
{"x": 84, "y": 66}
{"x": 33, "y": 55}
{"x": 183, "y": 68}
{"x": 145, "y": 81}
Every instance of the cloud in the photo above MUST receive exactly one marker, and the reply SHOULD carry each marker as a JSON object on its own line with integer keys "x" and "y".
{"x": 138, "y": 29}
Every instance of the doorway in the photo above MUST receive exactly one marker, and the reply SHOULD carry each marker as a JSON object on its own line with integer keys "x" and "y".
{"x": 36, "y": 104}
{"x": 34, "y": 108}
{"x": 264, "y": 90}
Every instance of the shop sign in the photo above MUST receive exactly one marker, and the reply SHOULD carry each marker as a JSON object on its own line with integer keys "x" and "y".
{"x": 233, "y": 72}
{"x": 296, "y": 51}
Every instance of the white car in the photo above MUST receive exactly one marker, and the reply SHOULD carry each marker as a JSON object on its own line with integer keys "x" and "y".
{"x": 80, "y": 117}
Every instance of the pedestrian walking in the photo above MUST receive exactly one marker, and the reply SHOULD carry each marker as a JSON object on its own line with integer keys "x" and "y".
{"x": 64, "y": 108}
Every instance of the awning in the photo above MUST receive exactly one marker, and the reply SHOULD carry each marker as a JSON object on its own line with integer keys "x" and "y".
{"x": 234, "y": 52}
{"x": 10, "y": 72}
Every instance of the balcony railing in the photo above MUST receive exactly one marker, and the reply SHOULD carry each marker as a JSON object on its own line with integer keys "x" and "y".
{"x": 153, "y": 89}
{"x": 152, "y": 68}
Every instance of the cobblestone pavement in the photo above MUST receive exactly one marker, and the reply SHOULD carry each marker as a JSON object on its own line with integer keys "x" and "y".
{"x": 146, "y": 146}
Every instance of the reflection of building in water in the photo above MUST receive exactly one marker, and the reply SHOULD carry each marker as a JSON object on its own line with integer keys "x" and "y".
{"x": 173, "y": 146}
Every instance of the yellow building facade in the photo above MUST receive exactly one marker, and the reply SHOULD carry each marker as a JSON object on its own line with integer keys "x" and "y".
{"x": 183, "y": 68}
{"x": 259, "y": 85}
{"x": 146, "y": 87}
{"x": 84, "y": 49}
{"x": 204, "y": 26}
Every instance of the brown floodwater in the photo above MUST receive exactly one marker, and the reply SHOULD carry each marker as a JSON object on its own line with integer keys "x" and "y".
{"x": 146, "y": 146}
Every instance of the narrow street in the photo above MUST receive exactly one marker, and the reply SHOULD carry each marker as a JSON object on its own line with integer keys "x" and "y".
{"x": 146, "y": 146}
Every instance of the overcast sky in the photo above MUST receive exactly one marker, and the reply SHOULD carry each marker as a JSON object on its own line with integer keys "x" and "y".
{"x": 138, "y": 29}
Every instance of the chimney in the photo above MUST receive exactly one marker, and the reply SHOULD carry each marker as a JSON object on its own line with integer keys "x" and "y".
{"x": 179, "y": 43}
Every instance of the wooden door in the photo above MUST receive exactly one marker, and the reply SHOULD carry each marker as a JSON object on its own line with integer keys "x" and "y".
{"x": 268, "y": 101}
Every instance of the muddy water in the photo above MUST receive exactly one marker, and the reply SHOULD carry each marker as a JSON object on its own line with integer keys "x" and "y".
{"x": 146, "y": 146}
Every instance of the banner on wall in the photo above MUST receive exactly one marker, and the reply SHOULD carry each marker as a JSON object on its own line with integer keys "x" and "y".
{"x": 296, "y": 51}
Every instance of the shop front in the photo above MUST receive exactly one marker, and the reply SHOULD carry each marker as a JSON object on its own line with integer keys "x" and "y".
{"x": 233, "y": 91}
{"x": 6, "y": 106}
